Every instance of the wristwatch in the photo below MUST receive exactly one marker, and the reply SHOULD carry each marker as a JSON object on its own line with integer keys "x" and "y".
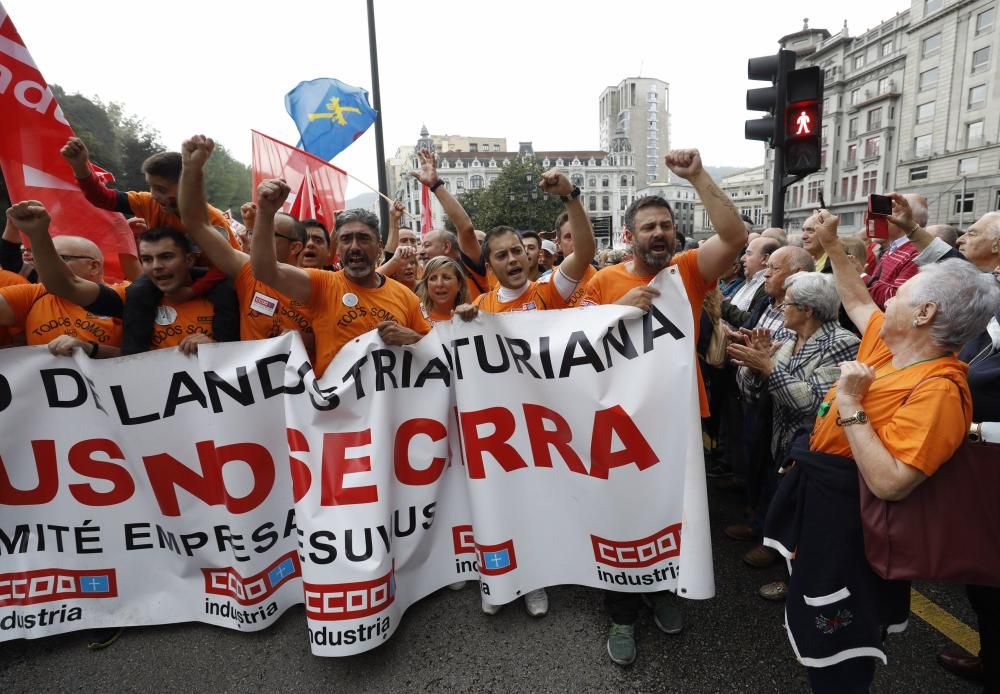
{"x": 437, "y": 184}
{"x": 858, "y": 417}
{"x": 573, "y": 194}
{"x": 976, "y": 432}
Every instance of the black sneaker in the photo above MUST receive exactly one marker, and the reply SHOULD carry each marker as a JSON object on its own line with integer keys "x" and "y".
{"x": 718, "y": 469}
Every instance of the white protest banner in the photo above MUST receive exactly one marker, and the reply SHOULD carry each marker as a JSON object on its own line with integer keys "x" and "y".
{"x": 225, "y": 488}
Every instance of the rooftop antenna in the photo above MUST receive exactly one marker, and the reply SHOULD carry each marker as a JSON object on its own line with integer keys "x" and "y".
{"x": 641, "y": 64}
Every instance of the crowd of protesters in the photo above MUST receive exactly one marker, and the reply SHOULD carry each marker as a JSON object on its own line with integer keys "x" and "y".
{"x": 822, "y": 356}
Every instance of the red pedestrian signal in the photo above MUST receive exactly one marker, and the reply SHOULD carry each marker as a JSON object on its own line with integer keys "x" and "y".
{"x": 801, "y": 120}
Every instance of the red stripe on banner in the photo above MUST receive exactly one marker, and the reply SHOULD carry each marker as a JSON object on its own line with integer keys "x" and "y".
{"x": 49, "y": 585}
{"x": 249, "y": 590}
{"x": 635, "y": 554}
{"x": 336, "y": 601}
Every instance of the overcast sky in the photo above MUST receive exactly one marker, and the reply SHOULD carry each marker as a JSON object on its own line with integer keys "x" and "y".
{"x": 524, "y": 70}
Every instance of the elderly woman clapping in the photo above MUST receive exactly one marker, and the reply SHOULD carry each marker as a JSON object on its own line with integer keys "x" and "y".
{"x": 894, "y": 416}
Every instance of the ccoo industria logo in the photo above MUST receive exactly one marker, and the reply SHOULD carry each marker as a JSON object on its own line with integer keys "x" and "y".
{"x": 636, "y": 554}
{"x": 249, "y": 590}
{"x": 47, "y": 585}
{"x": 335, "y": 601}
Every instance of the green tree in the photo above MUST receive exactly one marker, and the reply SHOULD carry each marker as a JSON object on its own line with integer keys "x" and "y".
{"x": 513, "y": 199}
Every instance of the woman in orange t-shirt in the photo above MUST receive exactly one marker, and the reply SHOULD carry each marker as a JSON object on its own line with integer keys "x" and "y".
{"x": 895, "y": 416}
{"x": 441, "y": 289}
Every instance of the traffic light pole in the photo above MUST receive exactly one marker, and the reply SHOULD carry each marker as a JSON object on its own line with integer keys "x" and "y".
{"x": 778, "y": 190}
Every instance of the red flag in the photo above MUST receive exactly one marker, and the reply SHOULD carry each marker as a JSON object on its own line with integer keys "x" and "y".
{"x": 304, "y": 173}
{"x": 102, "y": 175}
{"x": 426, "y": 218}
{"x": 307, "y": 204}
{"x": 34, "y": 129}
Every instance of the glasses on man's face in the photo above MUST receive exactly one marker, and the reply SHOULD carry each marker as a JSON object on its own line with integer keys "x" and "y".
{"x": 289, "y": 238}
{"x": 67, "y": 258}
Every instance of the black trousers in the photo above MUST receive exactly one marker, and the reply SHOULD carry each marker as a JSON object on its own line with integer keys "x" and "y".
{"x": 985, "y": 601}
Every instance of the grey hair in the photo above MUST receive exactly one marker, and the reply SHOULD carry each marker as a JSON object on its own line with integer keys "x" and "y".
{"x": 799, "y": 259}
{"x": 358, "y": 214}
{"x": 966, "y": 299}
{"x": 817, "y": 291}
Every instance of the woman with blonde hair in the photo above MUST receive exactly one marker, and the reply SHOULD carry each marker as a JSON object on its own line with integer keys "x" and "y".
{"x": 442, "y": 288}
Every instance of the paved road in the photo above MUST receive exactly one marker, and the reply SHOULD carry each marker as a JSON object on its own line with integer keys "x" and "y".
{"x": 733, "y": 643}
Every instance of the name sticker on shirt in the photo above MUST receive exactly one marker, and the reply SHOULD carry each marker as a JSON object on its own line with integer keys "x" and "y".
{"x": 165, "y": 315}
{"x": 350, "y": 300}
{"x": 262, "y": 303}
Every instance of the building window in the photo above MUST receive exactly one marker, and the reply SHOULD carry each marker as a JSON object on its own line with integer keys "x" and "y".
{"x": 869, "y": 182}
{"x": 883, "y": 85}
{"x": 974, "y": 134}
{"x": 925, "y": 112}
{"x": 591, "y": 182}
{"x": 854, "y": 187}
{"x": 476, "y": 182}
{"x": 624, "y": 182}
{"x": 984, "y": 21}
{"x": 918, "y": 173}
{"x": 928, "y": 78}
{"x": 977, "y": 96}
{"x": 932, "y": 6}
{"x": 969, "y": 165}
{"x": 605, "y": 182}
{"x": 922, "y": 145}
{"x": 624, "y": 202}
{"x": 852, "y": 127}
{"x": 886, "y": 47}
{"x": 593, "y": 204}
{"x": 874, "y": 119}
{"x": 981, "y": 60}
{"x": 843, "y": 188}
{"x": 814, "y": 189}
{"x": 605, "y": 203}
{"x": 855, "y": 96}
{"x": 930, "y": 45}
{"x": 965, "y": 205}
{"x": 577, "y": 180}
{"x": 872, "y": 147}
{"x": 473, "y": 147}
{"x": 852, "y": 154}
{"x": 822, "y": 159}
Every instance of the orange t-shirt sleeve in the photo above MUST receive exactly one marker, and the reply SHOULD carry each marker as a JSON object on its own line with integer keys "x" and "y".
{"x": 593, "y": 293}
{"x": 217, "y": 219}
{"x": 550, "y": 293}
{"x": 417, "y": 320}
{"x": 20, "y": 298}
{"x": 909, "y": 436}
{"x": 319, "y": 287}
{"x": 140, "y": 203}
{"x": 687, "y": 264}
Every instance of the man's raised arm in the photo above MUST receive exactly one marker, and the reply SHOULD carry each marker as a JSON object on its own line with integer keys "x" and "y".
{"x": 33, "y": 220}
{"x": 291, "y": 281}
{"x": 852, "y": 290}
{"x": 555, "y": 182}
{"x": 193, "y": 207}
{"x": 719, "y": 253}
{"x": 427, "y": 174}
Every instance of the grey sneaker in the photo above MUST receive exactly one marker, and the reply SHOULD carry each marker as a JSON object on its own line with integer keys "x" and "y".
{"x": 666, "y": 615}
{"x": 490, "y": 609}
{"x": 537, "y": 602}
{"x": 621, "y": 644}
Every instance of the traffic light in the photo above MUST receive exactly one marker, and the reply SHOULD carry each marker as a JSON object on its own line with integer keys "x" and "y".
{"x": 774, "y": 69}
{"x": 803, "y": 122}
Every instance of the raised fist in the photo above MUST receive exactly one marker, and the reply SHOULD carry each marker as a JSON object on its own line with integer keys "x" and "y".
{"x": 196, "y": 151}
{"x": 271, "y": 195}
{"x": 76, "y": 154}
{"x": 554, "y": 182}
{"x": 30, "y": 217}
{"x": 686, "y": 163}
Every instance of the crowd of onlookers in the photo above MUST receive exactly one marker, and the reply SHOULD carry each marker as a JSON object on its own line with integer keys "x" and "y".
{"x": 825, "y": 359}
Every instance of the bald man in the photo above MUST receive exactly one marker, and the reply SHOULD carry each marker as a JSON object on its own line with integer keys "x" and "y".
{"x": 945, "y": 232}
{"x": 46, "y": 318}
{"x": 897, "y": 262}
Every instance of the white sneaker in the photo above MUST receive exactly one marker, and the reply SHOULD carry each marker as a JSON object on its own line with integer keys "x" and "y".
{"x": 490, "y": 609}
{"x": 537, "y": 602}
{"x": 456, "y": 586}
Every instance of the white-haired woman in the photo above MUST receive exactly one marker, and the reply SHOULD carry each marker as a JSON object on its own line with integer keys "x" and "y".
{"x": 797, "y": 375}
{"x": 894, "y": 416}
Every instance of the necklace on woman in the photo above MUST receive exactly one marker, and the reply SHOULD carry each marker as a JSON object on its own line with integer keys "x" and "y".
{"x": 824, "y": 406}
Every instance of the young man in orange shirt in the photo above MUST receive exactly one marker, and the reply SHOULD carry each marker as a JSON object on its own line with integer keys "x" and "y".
{"x": 650, "y": 230}
{"x": 166, "y": 257}
{"x": 40, "y": 310}
{"x": 158, "y": 208}
{"x": 342, "y": 304}
{"x": 264, "y": 312}
{"x": 506, "y": 258}
{"x": 564, "y": 239}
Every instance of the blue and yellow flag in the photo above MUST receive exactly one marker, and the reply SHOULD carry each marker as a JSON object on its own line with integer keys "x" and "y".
{"x": 329, "y": 114}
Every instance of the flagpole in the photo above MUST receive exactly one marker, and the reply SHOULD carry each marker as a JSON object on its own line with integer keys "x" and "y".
{"x": 379, "y": 147}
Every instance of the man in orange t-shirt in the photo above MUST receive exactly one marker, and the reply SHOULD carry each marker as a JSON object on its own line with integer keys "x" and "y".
{"x": 649, "y": 228}
{"x": 44, "y": 315}
{"x": 509, "y": 263}
{"x": 564, "y": 236}
{"x": 264, "y": 311}
{"x": 11, "y": 336}
{"x": 342, "y": 304}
